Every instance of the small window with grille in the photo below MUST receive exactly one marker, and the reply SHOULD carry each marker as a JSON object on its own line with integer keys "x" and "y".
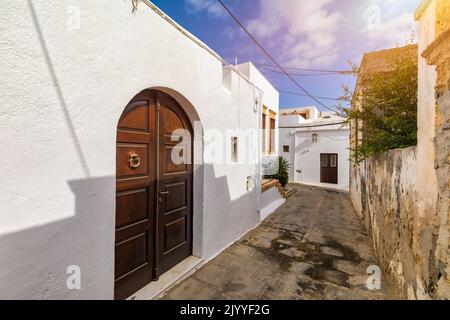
{"x": 234, "y": 149}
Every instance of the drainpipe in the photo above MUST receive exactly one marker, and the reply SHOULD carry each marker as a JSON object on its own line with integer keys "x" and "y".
{"x": 294, "y": 168}
{"x": 259, "y": 166}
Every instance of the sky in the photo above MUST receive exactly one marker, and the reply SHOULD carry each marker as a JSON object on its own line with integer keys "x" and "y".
{"x": 318, "y": 34}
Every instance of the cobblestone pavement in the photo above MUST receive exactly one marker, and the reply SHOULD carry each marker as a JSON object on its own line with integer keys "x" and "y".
{"x": 314, "y": 247}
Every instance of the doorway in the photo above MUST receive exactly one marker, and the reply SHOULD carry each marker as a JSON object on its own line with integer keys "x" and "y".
{"x": 154, "y": 183}
{"x": 329, "y": 168}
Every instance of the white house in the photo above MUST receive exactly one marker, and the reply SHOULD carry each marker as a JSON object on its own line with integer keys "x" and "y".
{"x": 96, "y": 106}
{"x": 271, "y": 198}
{"x": 316, "y": 145}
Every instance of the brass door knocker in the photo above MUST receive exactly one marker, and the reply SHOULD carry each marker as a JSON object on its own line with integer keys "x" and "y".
{"x": 134, "y": 161}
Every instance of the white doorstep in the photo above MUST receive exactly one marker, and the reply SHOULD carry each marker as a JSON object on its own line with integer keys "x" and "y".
{"x": 172, "y": 277}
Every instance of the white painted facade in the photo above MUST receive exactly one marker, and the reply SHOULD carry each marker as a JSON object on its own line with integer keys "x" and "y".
{"x": 271, "y": 200}
{"x": 68, "y": 71}
{"x": 306, "y": 133}
{"x": 271, "y": 107}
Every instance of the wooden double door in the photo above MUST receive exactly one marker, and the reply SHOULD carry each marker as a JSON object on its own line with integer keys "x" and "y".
{"x": 153, "y": 191}
{"x": 329, "y": 168}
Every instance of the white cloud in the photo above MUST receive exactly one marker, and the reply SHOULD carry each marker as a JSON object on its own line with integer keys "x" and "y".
{"x": 396, "y": 22}
{"x": 212, "y": 7}
{"x": 303, "y": 32}
{"x": 393, "y": 32}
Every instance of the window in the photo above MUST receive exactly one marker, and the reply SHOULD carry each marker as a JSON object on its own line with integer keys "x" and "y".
{"x": 234, "y": 149}
{"x": 333, "y": 160}
{"x": 286, "y": 149}
{"x": 315, "y": 137}
{"x": 264, "y": 133}
{"x": 272, "y": 136}
{"x": 324, "y": 160}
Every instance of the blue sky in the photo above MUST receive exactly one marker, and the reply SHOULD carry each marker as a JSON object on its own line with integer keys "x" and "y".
{"x": 318, "y": 34}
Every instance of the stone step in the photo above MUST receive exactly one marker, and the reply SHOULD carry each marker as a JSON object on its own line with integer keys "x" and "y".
{"x": 288, "y": 192}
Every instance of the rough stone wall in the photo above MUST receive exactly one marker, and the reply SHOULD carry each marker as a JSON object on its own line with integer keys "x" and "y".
{"x": 438, "y": 54}
{"x": 403, "y": 196}
{"x": 404, "y": 238}
{"x": 442, "y": 16}
{"x": 388, "y": 194}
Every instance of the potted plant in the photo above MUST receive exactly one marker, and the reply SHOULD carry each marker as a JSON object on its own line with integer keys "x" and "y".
{"x": 280, "y": 168}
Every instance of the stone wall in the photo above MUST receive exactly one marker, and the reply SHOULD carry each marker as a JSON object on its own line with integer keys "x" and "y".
{"x": 386, "y": 196}
{"x": 437, "y": 55}
{"x": 403, "y": 196}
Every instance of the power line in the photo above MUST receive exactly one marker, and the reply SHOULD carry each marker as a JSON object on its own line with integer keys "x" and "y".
{"x": 272, "y": 58}
{"x": 318, "y": 97}
{"x": 315, "y": 126}
{"x": 310, "y": 70}
{"x": 304, "y": 74}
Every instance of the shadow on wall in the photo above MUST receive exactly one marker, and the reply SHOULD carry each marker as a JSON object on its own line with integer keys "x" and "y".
{"x": 303, "y": 147}
{"x": 227, "y": 219}
{"x": 59, "y": 93}
{"x": 34, "y": 261}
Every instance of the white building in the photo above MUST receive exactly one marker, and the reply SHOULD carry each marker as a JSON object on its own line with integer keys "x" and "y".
{"x": 271, "y": 199}
{"x": 79, "y": 82}
{"x": 316, "y": 145}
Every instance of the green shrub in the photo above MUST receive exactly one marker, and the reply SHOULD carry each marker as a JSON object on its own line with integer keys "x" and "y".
{"x": 280, "y": 167}
{"x": 388, "y": 110}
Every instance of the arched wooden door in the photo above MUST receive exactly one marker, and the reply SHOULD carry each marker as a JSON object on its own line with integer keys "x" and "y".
{"x": 153, "y": 191}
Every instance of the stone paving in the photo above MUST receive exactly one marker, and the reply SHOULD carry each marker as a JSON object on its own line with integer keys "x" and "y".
{"x": 314, "y": 247}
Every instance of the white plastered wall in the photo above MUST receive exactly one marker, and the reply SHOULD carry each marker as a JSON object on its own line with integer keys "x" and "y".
{"x": 304, "y": 154}
{"x": 62, "y": 90}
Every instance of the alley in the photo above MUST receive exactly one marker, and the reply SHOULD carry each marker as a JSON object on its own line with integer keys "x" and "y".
{"x": 313, "y": 247}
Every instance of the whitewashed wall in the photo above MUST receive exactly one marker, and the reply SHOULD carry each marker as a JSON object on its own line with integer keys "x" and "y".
{"x": 304, "y": 155}
{"x": 63, "y": 87}
{"x": 270, "y": 99}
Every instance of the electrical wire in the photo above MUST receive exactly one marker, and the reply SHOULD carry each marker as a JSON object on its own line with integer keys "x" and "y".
{"x": 318, "y": 97}
{"x": 309, "y": 70}
{"x": 271, "y": 57}
{"x": 302, "y": 74}
{"x": 314, "y": 126}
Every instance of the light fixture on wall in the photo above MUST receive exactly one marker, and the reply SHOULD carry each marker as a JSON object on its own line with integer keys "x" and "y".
{"x": 255, "y": 106}
{"x": 315, "y": 137}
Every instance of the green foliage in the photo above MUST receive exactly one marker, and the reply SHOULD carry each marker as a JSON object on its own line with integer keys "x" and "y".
{"x": 280, "y": 167}
{"x": 387, "y": 116}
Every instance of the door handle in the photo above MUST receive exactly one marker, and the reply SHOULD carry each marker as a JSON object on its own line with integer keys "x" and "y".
{"x": 161, "y": 194}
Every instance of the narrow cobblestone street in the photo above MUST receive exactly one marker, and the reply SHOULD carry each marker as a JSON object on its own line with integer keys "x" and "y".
{"x": 313, "y": 247}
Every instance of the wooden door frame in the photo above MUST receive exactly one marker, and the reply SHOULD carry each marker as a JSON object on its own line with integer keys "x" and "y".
{"x": 337, "y": 166}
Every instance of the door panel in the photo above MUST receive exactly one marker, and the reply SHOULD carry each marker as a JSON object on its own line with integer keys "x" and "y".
{"x": 175, "y": 234}
{"x": 131, "y": 254}
{"x": 136, "y": 119}
{"x": 131, "y": 207}
{"x": 122, "y": 157}
{"x": 175, "y": 186}
{"x": 177, "y": 165}
{"x": 135, "y": 190}
{"x": 176, "y": 199}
